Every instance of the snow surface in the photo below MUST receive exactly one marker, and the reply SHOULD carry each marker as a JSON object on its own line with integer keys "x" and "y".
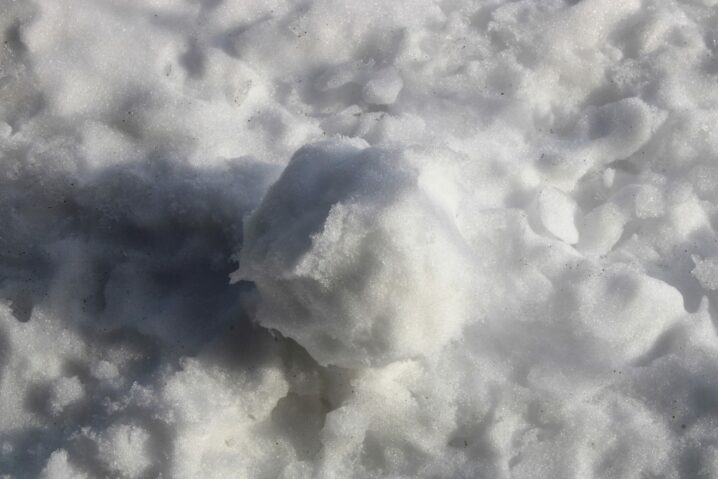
{"x": 358, "y": 239}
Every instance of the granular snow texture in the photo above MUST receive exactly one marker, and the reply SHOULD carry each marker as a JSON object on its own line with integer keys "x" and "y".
{"x": 359, "y": 239}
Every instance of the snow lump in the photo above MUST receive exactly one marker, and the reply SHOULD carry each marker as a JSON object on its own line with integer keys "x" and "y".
{"x": 355, "y": 260}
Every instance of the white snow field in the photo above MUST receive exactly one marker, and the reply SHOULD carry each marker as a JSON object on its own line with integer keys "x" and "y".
{"x": 359, "y": 239}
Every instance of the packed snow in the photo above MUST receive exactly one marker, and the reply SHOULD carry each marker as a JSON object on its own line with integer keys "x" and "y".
{"x": 358, "y": 239}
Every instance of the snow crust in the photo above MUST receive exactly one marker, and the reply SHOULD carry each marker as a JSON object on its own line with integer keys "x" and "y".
{"x": 358, "y": 239}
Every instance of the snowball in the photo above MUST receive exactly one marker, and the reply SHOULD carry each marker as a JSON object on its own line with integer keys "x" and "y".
{"x": 354, "y": 260}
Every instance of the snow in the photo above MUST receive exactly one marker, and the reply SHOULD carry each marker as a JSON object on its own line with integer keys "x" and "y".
{"x": 358, "y": 239}
{"x": 355, "y": 260}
